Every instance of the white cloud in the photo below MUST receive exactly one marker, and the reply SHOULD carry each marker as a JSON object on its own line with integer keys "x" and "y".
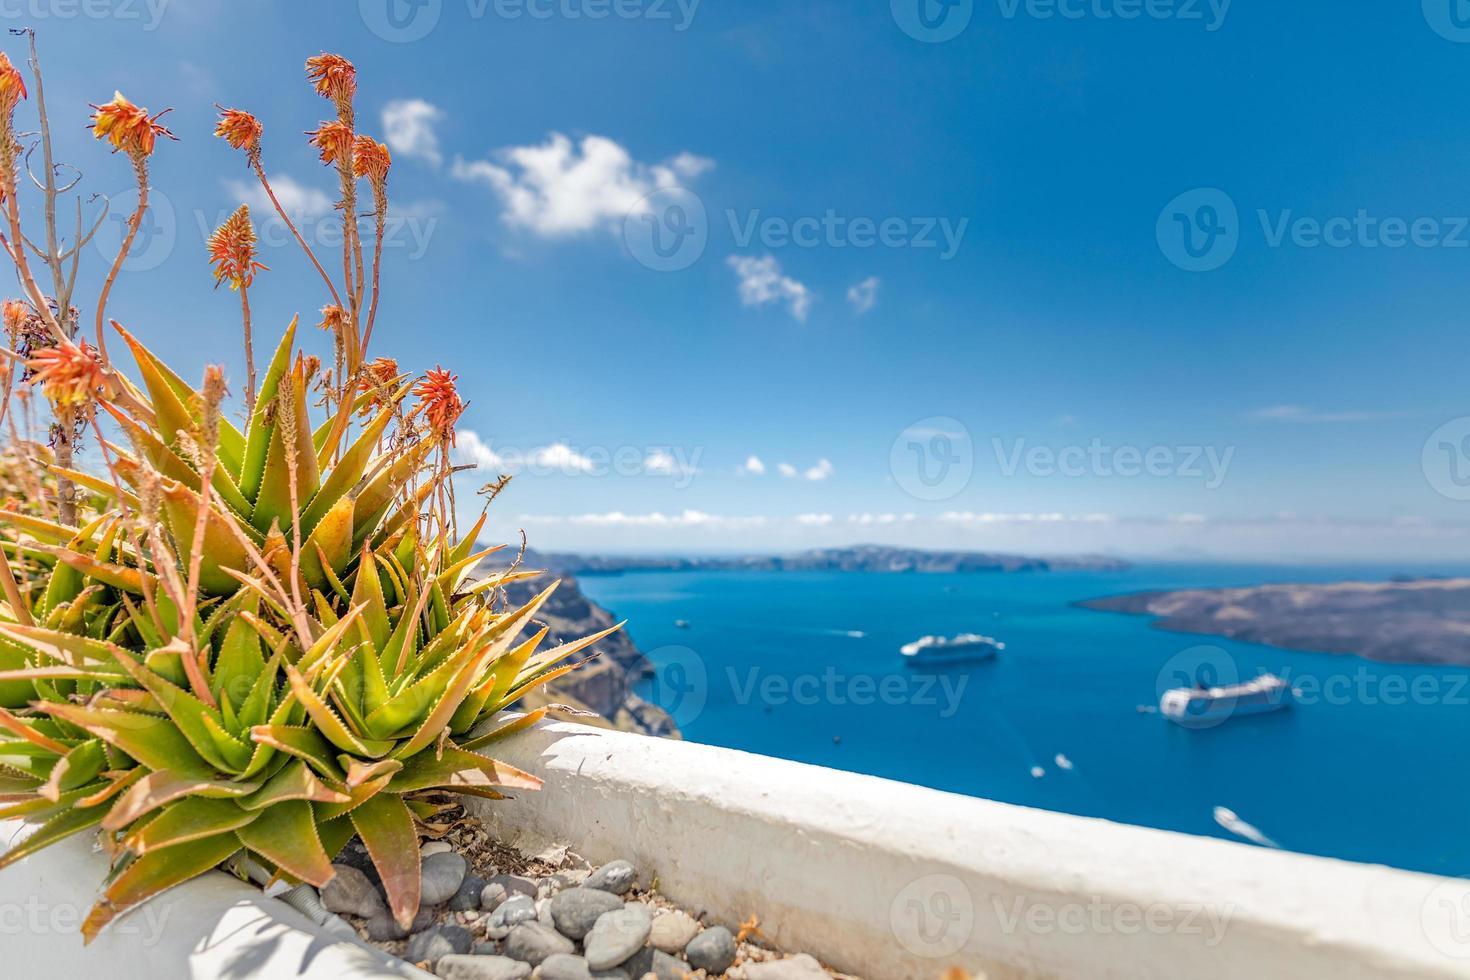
{"x": 617, "y": 518}
{"x": 559, "y": 189}
{"x": 761, "y": 283}
{"x": 814, "y": 520}
{"x": 298, "y": 200}
{"x": 752, "y": 467}
{"x": 966, "y": 518}
{"x": 470, "y": 448}
{"x": 867, "y": 520}
{"x": 786, "y": 470}
{"x": 864, "y": 296}
{"x": 661, "y": 462}
{"x": 408, "y": 128}
{"x": 559, "y": 457}
{"x": 1298, "y": 413}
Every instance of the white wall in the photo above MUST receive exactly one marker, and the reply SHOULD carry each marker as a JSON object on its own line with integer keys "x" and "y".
{"x": 888, "y": 880}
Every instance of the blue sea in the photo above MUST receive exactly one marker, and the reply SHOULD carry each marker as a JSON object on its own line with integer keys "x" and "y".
{"x": 1369, "y": 765}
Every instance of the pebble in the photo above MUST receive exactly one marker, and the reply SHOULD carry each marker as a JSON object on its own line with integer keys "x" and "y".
{"x": 660, "y": 964}
{"x": 563, "y": 966}
{"x": 512, "y": 912}
{"x": 533, "y": 942}
{"x": 576, "y": 910}
{"x": 712, "y": 950}
{"x": 616, "y": 877}
{"x": 492, "y": 895}
{"x": 382, "y": 928}
{"x": 513, "y": 884}
{"x": 350, "y": 892}
{"x": 616, "y": 936}
{"x": 442, "y": 875}
{"x": 433, "y": 847}
{"x": 543, "y": 913}
{"x": 671, "y": 932}
{"x": 433, "y": 944}
{"x": 801, "y": 967}
{"x": 482, "y": 968}
{"x": 467, "y": 898}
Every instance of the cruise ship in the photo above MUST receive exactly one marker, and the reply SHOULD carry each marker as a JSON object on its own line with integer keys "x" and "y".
{"x": 944, "y": 651}
{"x": 1197, "y": 707}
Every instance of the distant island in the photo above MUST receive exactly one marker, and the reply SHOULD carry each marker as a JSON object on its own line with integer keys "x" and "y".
{"x": 1412, "y": 621}
{"x": 858, "y": 558}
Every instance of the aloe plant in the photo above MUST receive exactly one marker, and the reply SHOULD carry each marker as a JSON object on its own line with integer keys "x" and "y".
{"x": 244, "y": 647}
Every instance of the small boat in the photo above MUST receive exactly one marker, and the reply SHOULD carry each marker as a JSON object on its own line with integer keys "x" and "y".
{"x": 1203, "y": 706}
{"x": 942, "y": 651}
{"x": 682, "y": 624}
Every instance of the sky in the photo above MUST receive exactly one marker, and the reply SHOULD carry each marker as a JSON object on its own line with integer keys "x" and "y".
{"x": 1171, "y": 278}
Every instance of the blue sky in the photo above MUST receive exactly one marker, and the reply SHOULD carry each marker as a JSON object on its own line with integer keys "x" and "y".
{"x": 1022, "y": 362}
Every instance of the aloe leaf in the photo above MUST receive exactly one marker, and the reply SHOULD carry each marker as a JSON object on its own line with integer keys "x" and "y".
{"x": 155, "y": 873}
{"x": 327, "y": 722}
{"x": 152, "y": 740}
{"x": 347, "y": 473}
{"x": 63, "y": 825}
{"x": 386, "y": 829}
{"x": 454, "y": 768}
{"x": 293, "y": 782}
{"x": 240, "y": 660}
{"x": 329, "y": 548}
{"x": 160, "y": 788}
{"x": 528, "y": 720}
{"x": 190, "y": 819}
{"x": 367, "y": 594}
{"x": 304, "y": 743}
{"x": 285, "y": 834}
{"x": 75, "y": 769}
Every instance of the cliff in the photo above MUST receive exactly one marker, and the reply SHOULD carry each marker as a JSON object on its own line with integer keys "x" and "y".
{"x": 858, "y": 558}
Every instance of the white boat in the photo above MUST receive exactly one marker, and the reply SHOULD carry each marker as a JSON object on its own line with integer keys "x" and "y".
{"x": 941, "y": 651}
{"x": 1203, "y": 706}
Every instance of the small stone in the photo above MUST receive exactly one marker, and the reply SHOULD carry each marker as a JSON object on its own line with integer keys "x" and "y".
{"x": 616, "y": 936}
{"x": 432, "y": 944}
{"x": 468, "y": 897}
{"x": 512, "y": 912}
{"x": 712, "y": 950}
{"x": 351, "y": 892}
{"x": 441, "y": 877}
{"x": 576, "y": 910}
{"x": 672, "y": 931}
{"x": 383, "y": 928}
{"x": 514, "y": 884}
{"x": 616, "y": 877}
{"x": 492, "y": 895}
{"x": 543, "y": 913}
{"x": 801, "y": 967}
{"x": 572, "y": 878}
{"x": 532, "y": 942}
{"x": 487, "y": 949}
{"x": 482, "y": 968}
{"x": 554, "y": 856}
{"x": 563, "y": 966}
{"x": 433, "y": 847}
{"x": 660, "y": 964}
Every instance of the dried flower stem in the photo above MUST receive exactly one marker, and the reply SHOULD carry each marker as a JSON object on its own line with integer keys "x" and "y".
{"x": 140, "y": 168}
{"x": 260, "y": 175}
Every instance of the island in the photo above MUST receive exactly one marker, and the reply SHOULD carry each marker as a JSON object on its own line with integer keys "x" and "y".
{"x": 1409, "y": 621}
{"x": 857, "y": 558}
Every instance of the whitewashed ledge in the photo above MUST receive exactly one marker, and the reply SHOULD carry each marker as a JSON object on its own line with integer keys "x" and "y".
{"x": 212, "y": 927}
{"x": 896, "y": 882}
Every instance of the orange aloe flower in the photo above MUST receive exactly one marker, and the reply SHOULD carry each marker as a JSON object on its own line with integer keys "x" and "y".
{"x": 15, "y": 313}
{"x": 439, "y": 400}
{"x": 68, "y": 374}
{"x": 240, "y": 129}
{"x": 377, "y": 380}
{"x": 127, "y": 127}
{"x": 334, "y": 76}
{"x": 370, "y": 159}
{"x": 12, "y": 84}
{"x": 334, "y": 139}
{"x": 334, "y": 319}
{"x": 232, "y": 250}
